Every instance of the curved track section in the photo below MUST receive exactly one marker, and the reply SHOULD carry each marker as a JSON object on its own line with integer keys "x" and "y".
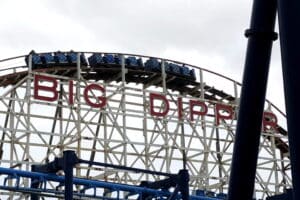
{"x": 153, "y": 113}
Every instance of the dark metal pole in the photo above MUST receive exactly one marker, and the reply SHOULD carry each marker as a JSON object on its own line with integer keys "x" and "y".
{"x": 289, "y": 29}
{"x": 260, "y": 37}
{"x": 68, "y": 164}
{"x": 35, "y": 183}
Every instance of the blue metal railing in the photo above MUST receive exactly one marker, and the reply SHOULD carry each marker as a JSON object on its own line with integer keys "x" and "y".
{"x": 45, "y": 189}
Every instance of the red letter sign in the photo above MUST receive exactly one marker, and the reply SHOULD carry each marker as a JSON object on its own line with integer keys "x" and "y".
{"x": 162, "y": 98}
{"x": 269, "y": 121}
{"x": 102, "y": 100}
{"x": 180, "y": 109}
{"x": 227, "y": 109}
{"x": 71, "y": 99}
{"x": 193, "y": 112}
{"x": 51, "y": 89}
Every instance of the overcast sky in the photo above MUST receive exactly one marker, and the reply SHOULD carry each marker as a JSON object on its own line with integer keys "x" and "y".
{"x": 207, "y": 33}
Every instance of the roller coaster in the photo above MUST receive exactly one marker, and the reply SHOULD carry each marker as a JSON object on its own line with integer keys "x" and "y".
{"x": 146, "y": 120}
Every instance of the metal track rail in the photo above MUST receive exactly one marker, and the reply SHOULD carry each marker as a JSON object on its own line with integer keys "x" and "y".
{"x": 109, "y": 72}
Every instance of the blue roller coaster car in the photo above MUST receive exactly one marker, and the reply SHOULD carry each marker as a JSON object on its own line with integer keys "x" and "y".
{"x": 153, "y": 64}
{"x": 58, "y": 58}
{"x": 185, "y": 71}
{"x": 109, "y": 59}
{"x": 175, "y": 69}
{"x": 72, "y": 58}
{"x": 40, "y": 60}
{"x": 95, "y": 60}
{"x": 48, "y": 59}
{"x": 61, "y": 58}
{"x": 133, "y": 62}
{"x": 36, "y": 60}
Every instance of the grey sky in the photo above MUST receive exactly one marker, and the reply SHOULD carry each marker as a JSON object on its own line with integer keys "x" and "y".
{"x": 207, "y": 33}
